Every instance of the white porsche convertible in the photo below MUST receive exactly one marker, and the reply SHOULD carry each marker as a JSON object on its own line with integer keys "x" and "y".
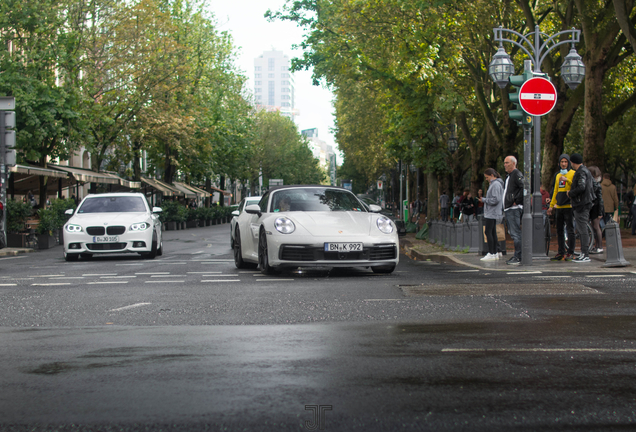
{"x": 314, "y": 226}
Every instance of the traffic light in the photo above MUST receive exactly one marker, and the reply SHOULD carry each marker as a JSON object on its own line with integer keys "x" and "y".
{"x": 517, "y": 114}
{"x": 7, "y": 118}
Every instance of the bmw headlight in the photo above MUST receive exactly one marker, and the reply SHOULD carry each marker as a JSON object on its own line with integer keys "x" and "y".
{"x": 142, "y": 226}
{"x": 385, "y": 225}
{"x": 284, "y": 225}
{"x": 73, "y": 228}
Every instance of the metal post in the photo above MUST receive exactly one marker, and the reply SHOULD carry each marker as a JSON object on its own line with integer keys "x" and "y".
{"x": 3, "y": 182}
{"x": 526, "y": 221}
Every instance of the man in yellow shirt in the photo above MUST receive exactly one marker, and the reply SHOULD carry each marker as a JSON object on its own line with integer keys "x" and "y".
{"x": 561, "y": 202}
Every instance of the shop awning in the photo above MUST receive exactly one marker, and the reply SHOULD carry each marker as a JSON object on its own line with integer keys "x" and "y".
{"x": 186, "y": 192}
{"x": 161, "y": 187}
{"x": 215, "y": 189}
{"x": 192, "y": 189}
{"x": 27, "y": 178}
{"x": 82, "y": 175}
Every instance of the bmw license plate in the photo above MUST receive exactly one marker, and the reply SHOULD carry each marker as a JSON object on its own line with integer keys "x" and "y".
{"x": 343, "y": 247}
{"x": 106, "y": 239}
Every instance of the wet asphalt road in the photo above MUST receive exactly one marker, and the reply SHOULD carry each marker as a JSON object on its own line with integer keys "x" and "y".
{"x": 188, "y": 342}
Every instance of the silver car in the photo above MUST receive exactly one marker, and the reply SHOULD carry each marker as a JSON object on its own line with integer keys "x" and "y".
{"x": 113, "y": 223}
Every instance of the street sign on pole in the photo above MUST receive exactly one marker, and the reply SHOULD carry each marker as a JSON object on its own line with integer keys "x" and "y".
{"x": 537, "y": 96}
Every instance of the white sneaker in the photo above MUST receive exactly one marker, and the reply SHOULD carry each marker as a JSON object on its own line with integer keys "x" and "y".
{"x": 490, "y": 257}
{"x": 499, "y": 255}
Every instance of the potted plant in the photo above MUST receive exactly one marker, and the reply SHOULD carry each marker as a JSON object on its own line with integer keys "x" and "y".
{"x": 192, "y": 218}
{"x": 170, "y": 214}
{"x": 49, "y": 222}
{"x": 17, "y": 214}
{"x": 59, "y": 207}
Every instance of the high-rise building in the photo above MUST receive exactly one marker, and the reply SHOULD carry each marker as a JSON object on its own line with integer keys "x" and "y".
{"x": 274, "y": 84}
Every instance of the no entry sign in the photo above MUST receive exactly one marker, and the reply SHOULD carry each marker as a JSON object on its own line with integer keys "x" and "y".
{"x": 537, "y": 96}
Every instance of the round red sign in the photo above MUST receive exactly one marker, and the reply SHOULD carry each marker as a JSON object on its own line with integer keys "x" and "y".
{"x": 537, "y": 96}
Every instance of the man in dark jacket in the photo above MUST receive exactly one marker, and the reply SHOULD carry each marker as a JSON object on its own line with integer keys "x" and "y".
{"x": 513, "y": 205}
{"x": 582, "y": 195}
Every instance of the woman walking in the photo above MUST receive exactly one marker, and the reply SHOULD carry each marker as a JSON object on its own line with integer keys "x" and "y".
{"x": 597, "y": 211}
{"x": 493, "y": 211}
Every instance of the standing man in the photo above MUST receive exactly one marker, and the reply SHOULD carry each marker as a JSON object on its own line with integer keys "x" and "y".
{"x": 610, "y": 199}
{"x": 443, "y": 205}
{"x": 582, "y": 196}
{"x": 561, "y": 202}
{"x": 513, "y": 205}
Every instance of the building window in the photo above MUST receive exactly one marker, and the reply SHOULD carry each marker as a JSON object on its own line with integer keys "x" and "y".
{"x": 257, "y": 68}
{"x": 258, "y": 83}
{"x": 257, "y": 76}
{"x": 285, "y": 97}
{"x": 284, "y": 90}
{"x": 271, "y": 92}
{"x": 284, "y": 75}
{"x": 271, "y": 75}
{"x": 284, "y": 68}
{"x": 259, "y": 98}
{"x": 284, "y": 82}
{"x": 271, "y": 63}
{"x": 257, "y": 90}
{"x": 285, "y": 104}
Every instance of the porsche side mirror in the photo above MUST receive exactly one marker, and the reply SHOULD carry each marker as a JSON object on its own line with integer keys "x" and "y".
{"x": 373, "y": 208}
{"x": 253, "y": 209}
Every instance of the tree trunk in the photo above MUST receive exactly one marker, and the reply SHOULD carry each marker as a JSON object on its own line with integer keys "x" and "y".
{"x": 432, "y": 211}
{"x": 595, "y": 127}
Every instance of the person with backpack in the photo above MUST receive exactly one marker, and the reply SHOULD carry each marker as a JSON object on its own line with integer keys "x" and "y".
{"x": 582, "y": 196}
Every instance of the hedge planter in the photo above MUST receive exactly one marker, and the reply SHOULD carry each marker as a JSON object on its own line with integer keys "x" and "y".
{"x": 192, "y": 224}
{"x": 171, "y": 226}
{"x": 16, "y": 240}
{"x": 46, "y": 241}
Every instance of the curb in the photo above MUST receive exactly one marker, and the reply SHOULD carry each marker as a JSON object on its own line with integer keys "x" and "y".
{"x": 15, "y": 251}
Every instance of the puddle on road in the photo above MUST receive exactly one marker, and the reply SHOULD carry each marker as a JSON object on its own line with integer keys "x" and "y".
{"x": 496, "y": 290}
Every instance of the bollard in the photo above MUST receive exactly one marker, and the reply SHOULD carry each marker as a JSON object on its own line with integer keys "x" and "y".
{"x": 453, "y": 236}
{"x": 447, "y": 228}
{"x": 434, "y": 232}
{"x": 474, "y": 236}
{"x": 483, "y": 247}
{"x": 614, "y": 247}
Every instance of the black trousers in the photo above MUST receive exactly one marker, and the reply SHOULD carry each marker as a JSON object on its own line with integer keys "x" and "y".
{"x": 491, "y": 234}
{"x": 563, "y": 219}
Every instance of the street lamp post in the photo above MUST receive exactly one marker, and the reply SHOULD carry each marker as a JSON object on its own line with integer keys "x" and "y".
{"x": 572, "y": 71}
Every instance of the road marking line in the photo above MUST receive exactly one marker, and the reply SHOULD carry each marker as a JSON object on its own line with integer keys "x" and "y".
{"x": 68, "y": 277}
{"x": 8, "y": 284}
{"x": 107, "y": 283}
{"x": 100, "y": 274}
{"x": 51, "y": 284}
{"x": 155, "y": 273}
{"x": 214, "y": 260}
{"x": 165, "y": 275}
{"x": 117, "y": 277}
{"x": 553, "y": 276}
{"x": 43, "y": 276}
{"x": 602, "y": 276}
{"x": 463, "y": 271}
{"x": 13, "y": 257}
{"x": 129, "y": 264}
{"x": 524, "y": 273}
{"x": 206, "y": 272}
{"x": 129, "y": 307}
{"x": 176, "y": 263}
{"x": 617, "y": 350}
{"x": 166, "y": 281}
{"x": 274, "y": 280}
{"x": 222, "y": 280}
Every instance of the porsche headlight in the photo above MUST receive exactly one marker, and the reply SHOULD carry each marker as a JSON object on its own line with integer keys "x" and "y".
{"x": 142, "y": 226}
{"x": 73, "y": 228}
{"x": 284, "y": 225}
{"x": 385, "y": 225}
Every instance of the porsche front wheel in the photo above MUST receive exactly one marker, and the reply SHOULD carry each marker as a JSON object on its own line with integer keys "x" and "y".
{"x": 263, "y": 257}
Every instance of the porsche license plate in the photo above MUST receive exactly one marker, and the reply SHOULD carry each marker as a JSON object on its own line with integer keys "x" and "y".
{"x": 343, "y": 247}
{"x": 106, "y": 239}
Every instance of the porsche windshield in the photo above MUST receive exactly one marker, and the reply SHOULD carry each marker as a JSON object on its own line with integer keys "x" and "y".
{"x": 109, "y": 204}
{"x": 314, "y": 200}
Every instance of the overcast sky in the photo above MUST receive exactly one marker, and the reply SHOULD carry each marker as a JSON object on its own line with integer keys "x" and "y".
{"x": 253, "y": 34}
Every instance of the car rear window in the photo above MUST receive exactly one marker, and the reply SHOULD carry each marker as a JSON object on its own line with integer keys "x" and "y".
{"x": 121, "y": 204}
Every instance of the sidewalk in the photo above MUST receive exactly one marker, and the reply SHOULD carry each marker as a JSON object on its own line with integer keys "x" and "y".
{"x": 422, "y": 250}
{"x": 9, "y": 251}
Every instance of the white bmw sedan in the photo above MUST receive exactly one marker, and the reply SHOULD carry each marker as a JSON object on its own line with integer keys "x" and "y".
{"x": 236, "y": 213}
{"x": 314, "y": 226}
{"x": 113, "y": 223}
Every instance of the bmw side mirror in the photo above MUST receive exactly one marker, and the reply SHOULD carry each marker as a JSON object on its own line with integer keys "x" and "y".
{"x": 156, "y": 210}
{"x": 69, "y": 212}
